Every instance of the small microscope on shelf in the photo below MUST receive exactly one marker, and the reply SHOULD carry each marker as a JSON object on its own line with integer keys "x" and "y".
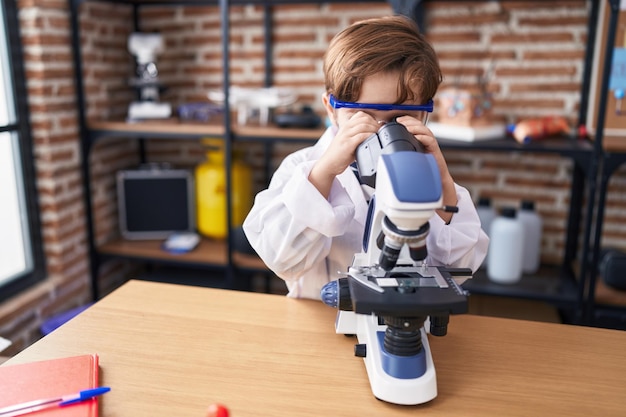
{"x": 390, "y": 296}
{"x": 145, "y": 47}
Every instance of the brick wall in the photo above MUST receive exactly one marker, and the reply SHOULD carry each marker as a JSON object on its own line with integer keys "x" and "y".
{"x": 57, "y": 157}
{"x": 537, "y": 48}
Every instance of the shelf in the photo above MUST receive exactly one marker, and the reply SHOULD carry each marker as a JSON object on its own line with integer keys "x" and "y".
{"x": 558, "y": 144}
{"x": 176, "y": 129}
{"x": 549, "y": 284}
{"x": 173, "y": 128}
{"x": 214, "y": 2}
{"x": 209, "y": 253}
{"x": 245, "y": 261}
{"x": 580, "y": 150}
{"x": 162, "y": 128}
{"x": 272, "y": 132}
{"x": 609, "y": 307}
{"x": 607, "y": 296}
{"x": 614, "y": 144}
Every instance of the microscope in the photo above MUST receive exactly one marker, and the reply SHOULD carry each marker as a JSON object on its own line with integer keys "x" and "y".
{"x": 145, "y": 47}
{"x": 390, "y": 295}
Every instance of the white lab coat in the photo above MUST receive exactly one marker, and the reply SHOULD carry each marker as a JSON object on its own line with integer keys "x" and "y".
{"x": 308, "y": 240}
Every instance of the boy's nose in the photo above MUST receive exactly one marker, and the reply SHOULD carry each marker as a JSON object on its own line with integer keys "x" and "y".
{"x": 384, "y": 121}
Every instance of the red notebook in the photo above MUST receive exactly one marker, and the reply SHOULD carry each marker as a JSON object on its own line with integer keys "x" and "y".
{"x": 48, "y": 379}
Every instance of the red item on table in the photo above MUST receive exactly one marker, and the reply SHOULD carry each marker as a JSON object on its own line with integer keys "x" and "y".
{"x": 217, "y": 410}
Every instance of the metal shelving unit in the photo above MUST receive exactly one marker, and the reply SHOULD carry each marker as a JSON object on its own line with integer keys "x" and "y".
{"x": 560, "y": 286}
{"x": 611, "y": 160}
{"x": 574, "y": 284}
{"x": 92, "y": 133}
{"x": 566, "y": 287}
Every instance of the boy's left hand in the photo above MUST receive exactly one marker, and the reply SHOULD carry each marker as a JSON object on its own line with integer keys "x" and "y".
{"x": 426, "y": 138}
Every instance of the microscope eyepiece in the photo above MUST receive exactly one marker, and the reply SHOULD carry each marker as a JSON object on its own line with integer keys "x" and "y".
{"x": 391, "y": 137}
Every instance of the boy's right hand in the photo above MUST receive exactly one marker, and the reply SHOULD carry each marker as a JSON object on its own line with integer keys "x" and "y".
{"x": 341, "y": 152}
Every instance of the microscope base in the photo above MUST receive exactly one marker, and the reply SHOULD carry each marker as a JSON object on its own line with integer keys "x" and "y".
{"x": 404, "y": 390}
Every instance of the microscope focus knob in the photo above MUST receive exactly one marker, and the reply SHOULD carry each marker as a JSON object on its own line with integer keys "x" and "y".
{"x": 439, "y": 324}
{"x": 337, "y": 294}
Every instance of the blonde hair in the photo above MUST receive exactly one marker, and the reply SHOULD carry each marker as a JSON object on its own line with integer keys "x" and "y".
{"x": 387, "y": 44}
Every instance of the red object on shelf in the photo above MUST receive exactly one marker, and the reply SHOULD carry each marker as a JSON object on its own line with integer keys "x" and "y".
{"x": 532, "y": 129}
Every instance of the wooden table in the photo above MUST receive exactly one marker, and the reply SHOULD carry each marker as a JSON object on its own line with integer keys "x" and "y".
{"x": 168, "y": 350}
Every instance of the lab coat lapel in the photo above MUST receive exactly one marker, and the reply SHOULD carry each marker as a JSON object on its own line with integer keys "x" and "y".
{"x": 351, "y": 184}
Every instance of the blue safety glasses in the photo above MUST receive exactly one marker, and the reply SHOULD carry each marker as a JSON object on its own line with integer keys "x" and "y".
{"x": 420, "y": 112}
{"x": 338, "y": 104}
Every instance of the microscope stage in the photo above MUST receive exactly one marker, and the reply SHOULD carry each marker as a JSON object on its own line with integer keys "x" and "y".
{"x": 406, "y": 291}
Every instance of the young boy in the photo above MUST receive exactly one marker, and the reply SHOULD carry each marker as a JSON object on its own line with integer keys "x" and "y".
{"x": 309, "y": 223}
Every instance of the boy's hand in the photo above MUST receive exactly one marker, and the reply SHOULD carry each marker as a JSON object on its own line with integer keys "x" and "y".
{"x": 426, "y": 137}
{"x": 341, "y": 152}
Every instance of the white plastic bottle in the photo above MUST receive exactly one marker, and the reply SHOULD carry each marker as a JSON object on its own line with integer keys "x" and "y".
{"x": 486, "y": 214}
{"x": 532, "y": 224}
{"x": 506, "y": 246}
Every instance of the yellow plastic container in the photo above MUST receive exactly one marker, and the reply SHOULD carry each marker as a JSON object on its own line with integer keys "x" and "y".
{"x": 210, "y": 178}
